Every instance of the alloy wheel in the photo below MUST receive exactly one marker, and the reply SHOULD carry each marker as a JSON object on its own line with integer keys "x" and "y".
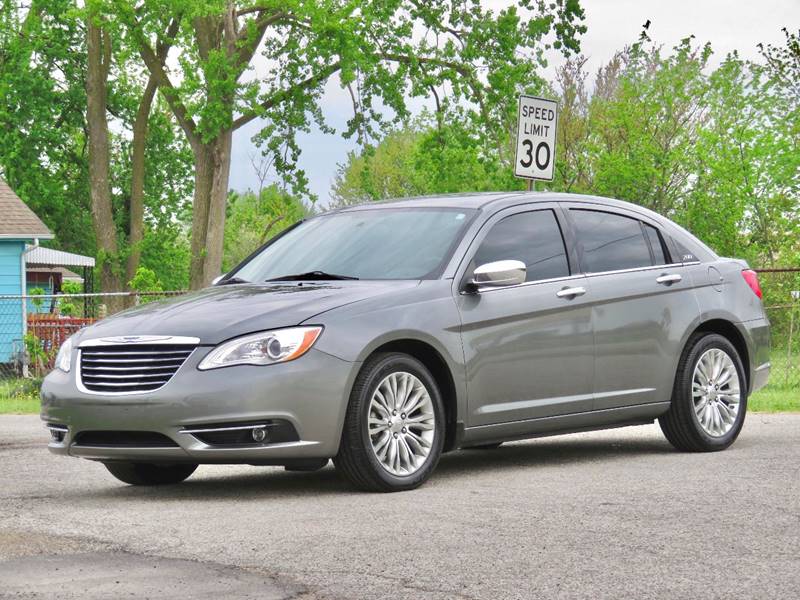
{"x": 715, "y": 392}
{"x": 402, "y": 423}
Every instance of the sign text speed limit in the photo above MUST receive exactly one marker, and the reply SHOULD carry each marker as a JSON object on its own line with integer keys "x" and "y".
{"x": 536, "y": 138}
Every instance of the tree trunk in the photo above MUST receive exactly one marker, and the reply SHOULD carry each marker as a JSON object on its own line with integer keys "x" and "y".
{"x": 212, "y": 167}
{"x": 136, "y": 216}
{"x": 98, "y": 47}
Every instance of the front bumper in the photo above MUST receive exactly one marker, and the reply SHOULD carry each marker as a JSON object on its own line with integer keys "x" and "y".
{"x": 311, "y": 393}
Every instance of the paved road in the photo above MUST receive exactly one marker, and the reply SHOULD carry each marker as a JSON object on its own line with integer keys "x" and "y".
{"x": 599, "y": 515}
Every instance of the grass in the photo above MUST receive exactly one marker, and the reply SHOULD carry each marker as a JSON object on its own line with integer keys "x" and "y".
{"x": 19, "y": 397}
{"x": 775, "y": 399}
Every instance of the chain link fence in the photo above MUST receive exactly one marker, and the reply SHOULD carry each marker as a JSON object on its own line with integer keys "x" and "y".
{"x": 781, "y": 289}
{"x": 33, "y": 327}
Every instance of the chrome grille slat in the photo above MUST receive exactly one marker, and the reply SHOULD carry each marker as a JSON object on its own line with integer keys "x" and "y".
{"x": 133, "y": 360}
{"x": 148, "y": 376}
{"x": 90, "y": 352}
{"x": 117, "y": 369}
{"x": 131, "y": 368}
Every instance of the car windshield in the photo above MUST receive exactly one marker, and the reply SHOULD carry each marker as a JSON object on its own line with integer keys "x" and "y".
{"x": 380, "y": 243}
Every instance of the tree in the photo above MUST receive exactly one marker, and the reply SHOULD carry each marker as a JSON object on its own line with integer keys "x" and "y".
{"x": 429, "y": 155}
{"x": 374, "y": 48}
{"x": 42, "y": 106}
{"x": 74, "y": 107}
{"x": 100, "y": 53}
{"x": 715, "y": 150}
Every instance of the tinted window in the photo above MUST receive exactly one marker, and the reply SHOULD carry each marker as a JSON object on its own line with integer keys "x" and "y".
{"x": 532, "y": 237}
{"x": 610, "y": 241}
{"x": 656, "y": 245}
{"x": 368, "y": 244}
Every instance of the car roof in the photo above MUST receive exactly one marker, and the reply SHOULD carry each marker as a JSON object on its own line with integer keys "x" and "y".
{"x": 500, "y": 200}
{"x": 494, "y": 200}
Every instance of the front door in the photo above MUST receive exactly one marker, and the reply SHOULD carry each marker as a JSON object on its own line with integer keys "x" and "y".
{"x": 528, "y": 347}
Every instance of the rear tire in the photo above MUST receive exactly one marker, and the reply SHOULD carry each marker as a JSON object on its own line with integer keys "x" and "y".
{"x": 703, "y": 416}
{"x": 394, "y": 427}
{"x": 135, "y": 473}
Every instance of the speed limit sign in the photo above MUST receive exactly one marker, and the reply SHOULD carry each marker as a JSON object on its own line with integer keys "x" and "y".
{"x": 537, "y": 119}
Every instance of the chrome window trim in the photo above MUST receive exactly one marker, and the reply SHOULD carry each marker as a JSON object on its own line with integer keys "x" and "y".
{"x": 139, "y": 339}
{"x": 637, "y": 269}
{"x": 483, "y": 290}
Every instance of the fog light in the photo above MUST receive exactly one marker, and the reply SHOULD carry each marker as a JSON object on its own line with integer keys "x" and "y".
{"x": 259, "y": 434}
{"x": 57, "y": 433}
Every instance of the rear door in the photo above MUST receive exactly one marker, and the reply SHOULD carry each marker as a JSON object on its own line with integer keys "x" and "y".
{"x": 529, "y": 347}
{"x": 643, "y": 303}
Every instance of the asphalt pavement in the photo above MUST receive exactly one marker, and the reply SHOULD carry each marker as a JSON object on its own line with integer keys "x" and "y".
{"x": 613, "y": 514}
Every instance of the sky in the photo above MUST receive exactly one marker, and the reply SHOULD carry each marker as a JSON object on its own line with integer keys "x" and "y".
{"x": 728, "y": 24}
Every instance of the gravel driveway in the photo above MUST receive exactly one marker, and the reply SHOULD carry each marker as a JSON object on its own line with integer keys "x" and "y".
{"x": 597, "y": 515}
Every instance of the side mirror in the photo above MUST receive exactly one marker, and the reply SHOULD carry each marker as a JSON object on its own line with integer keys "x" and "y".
{"x": 217, "y": 279}
{"x": 500, "y": 273}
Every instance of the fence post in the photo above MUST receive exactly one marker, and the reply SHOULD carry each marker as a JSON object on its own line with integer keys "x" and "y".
{"x": 792, "y": 307}
{"x": 25, "y": 357}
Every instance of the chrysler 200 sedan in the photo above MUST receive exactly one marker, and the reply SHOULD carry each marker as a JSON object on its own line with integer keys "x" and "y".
{"x": 381, "y": 336}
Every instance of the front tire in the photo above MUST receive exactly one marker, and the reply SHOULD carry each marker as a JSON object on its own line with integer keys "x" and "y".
{"x": 394, "y": 427}
{"x": 135, "y": 473}
{"x": 709, "y": 399}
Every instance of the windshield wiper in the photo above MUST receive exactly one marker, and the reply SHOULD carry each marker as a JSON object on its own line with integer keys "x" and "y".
{"x": 311, "y": 276}
{"x": 231, "y": 281}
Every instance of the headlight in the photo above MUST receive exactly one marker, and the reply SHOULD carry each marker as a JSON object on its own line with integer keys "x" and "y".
{"x": 265, "y": 348}
{"x": 64, "y": 355}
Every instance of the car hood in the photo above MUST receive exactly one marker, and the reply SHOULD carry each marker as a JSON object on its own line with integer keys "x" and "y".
{"x": 219, "y": 313}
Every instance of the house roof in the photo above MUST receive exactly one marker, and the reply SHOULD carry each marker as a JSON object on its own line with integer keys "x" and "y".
{"x": 40, "y": 256}
{"x": 65, "y": 273}
{"x": 16, "y": 219}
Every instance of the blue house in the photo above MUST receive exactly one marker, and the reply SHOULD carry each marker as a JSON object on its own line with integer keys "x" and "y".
{"x": 19, "y": 226}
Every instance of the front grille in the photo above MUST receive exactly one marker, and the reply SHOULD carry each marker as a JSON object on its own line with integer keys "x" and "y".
{"x": 124, "y": 439}
{"x": 129, "y": 368}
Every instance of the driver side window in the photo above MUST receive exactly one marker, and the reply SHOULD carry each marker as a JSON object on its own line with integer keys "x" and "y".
{"x": 531, "y": 237}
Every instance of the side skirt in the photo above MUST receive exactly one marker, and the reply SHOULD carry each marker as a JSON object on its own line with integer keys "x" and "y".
{"x": 640, "y": 414}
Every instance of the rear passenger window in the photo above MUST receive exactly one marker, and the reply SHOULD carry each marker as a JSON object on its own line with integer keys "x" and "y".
{"x": 532, "y": 237}
{"x": 655, "y": 244}
{"x": 610, "y": 241}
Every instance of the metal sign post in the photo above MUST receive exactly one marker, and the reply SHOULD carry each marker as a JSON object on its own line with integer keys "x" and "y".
{"x": 537, "y": 121}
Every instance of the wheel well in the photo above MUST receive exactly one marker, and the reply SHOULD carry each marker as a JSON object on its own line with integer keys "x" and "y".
{"x": 430, "y": 357}
{"x": 728, "y": 330}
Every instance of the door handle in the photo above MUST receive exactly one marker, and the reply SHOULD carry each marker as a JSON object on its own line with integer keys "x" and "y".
{"x": 669, "y": 279}
{"x": 571, "y": 292}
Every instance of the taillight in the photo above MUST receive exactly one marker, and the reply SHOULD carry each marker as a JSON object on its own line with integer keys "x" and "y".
{"x": 751, "y": 277}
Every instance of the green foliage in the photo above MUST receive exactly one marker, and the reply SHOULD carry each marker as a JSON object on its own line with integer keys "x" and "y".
{"x": 71, "y": 307}
{"x": 715, "y": 150}
{"x": 43, "y": 153}
{"x": 38, "y": 356}
{"x": 37, "y": 302}
{"x": 165, "y": 251}
{"x": 385, "y": 53}
{"x": 145, "y": 280}
{"x": 253, "y": 219}
{"x": 71, "y": 287}
{"x": 42, "y": 100}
